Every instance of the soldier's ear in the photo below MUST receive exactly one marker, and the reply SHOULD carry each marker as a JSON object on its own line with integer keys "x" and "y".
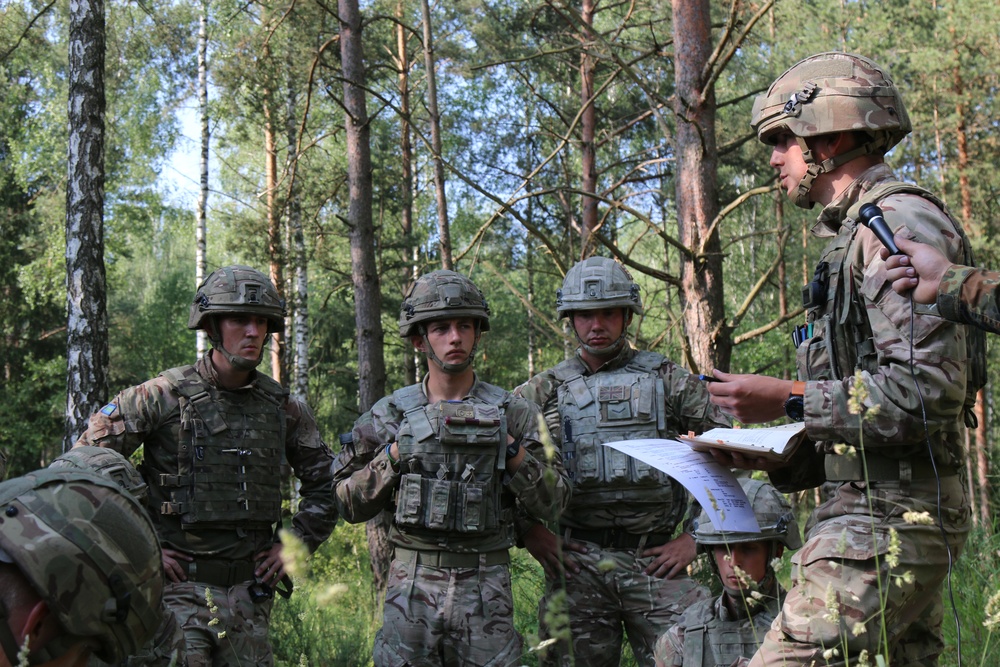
{"x": 418, "y": 343}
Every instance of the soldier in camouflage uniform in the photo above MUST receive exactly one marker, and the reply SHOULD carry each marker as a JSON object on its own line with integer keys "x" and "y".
{"x": 726, "y": 631}
{"x": 962, "y": 293}
{"x": 453, "y": 458}
{"x": 166, "y": 648}
{"x": 214, "y": 435}
{"x": 80, "y": 570}
{"x": 623, "y": 566}
{"x": 892, "y": 388}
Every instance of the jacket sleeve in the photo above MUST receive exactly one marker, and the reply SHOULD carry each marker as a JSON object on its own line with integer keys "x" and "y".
{"x": 688, "y": 403}
{"x": 312, "y": 462}
{"x": 540, "y": 484}
{"x": 901, "y": 388}
{"x": 125, "y": 422}
{"x": 540, "y": 392}
{"x": 365, "y": 479}
{"x": 971, "y": 296}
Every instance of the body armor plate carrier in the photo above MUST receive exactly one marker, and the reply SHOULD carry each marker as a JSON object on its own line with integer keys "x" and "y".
{"x": 621, "y": 404}
{"x": 712, "y": 642}
{"x": 228, "y": 456}
{"x": 452, "y": 458}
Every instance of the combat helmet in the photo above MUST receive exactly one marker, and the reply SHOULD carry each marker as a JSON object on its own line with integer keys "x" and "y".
{"x": 236, "y": 290}
{"x": 774, "y": 516}
{"x": 106, "y": 462}
{"x": 595, "y": 283}
{"x": 89, "y": 551}
{"x": 829, "y": 93}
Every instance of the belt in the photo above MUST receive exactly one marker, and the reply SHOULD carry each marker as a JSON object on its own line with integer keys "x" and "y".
{"x": 840, "y": 468}
{"x": 224, "y": 573}
{"x": 452, "y": 559}
{"x": 615, "y": 538}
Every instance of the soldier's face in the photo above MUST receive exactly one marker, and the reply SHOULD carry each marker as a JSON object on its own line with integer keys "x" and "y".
{"x": 599, "y": 328}
{"x": 452, "y": 340}
{"x": 243, "y": 335}
{"x": 741, "y": 565}
{"x": 788, "y": 160}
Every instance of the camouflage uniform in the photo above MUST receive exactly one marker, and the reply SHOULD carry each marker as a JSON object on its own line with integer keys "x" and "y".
{"x": 210, "y": 458}
{"x": 603, "y": 599}
{"x": 448, "y": 598}
{"x": 88, "y": 551}
{"x": 727, "y": 631}
{"x": 970, "y": 295}
{"x": 859, "y": 543}
{"x": 167, "y": 646}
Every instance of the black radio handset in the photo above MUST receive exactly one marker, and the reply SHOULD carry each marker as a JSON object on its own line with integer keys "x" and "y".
{"x": 870, "y": 216}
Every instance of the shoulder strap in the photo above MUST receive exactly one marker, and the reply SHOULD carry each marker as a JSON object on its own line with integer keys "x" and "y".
{"x": 647, "y": 361}
{"x": 195, "y": 390}
{"x": 492, "y": 394}
{"x": 566, "y": 369}
{"x": 270, "y": 389}
{"x": 409, "y": 398}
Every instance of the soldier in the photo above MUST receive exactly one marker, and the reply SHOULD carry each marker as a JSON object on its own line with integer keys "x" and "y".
{"x": 623, "y": 513}
{"x": 452, "y": 457}
{"x": 80, "y": 570}
{"x": 214, "y": 435}
{"x": 962, "y": 293}
{"x": 726, "y": 631}
{"x": 167, "y": 645}
{"x": 831, "y": 118}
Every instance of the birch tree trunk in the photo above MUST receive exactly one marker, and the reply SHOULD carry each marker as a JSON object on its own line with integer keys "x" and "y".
{"x": 86, "y": 297}
{"x": 444, "y": 231}
{"x": 367, "y": 298}
{"x": 697, "y": 194}
{"x": 200, "y": 258}
{"x": 299, "y": 316}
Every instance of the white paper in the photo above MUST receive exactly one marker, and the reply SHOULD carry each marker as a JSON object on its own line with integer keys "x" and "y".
{"x": 715, "y": 486}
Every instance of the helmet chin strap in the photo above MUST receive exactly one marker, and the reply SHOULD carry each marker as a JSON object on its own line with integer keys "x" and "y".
{"x": 237, "y": 362}
{"x": 610, "y": 350}
{"x": 450, "y": 369}
{"x": 801, "y": 195}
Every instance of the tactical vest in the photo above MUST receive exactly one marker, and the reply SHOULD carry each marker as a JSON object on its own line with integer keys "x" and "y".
{"x": 621, "y": 404}
{"x": 452, "y": 459}
{"x": 712, "y": 642}
{"x": 834, "y": 304}
{"x": 227, "y": 457}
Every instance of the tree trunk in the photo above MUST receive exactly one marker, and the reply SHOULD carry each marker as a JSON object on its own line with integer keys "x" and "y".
{"x": 406, "y": 181}
{"x": 200, "y": 259}
{"x": 367, "y": 299}
{"x": 697, "y": 196}
{"x": 588, "y": 129}
{"x": 432, "y": 106}
{"x": 299, "y": 316}
{"x": 274, "y": 245}
{"x": 983, "y": 463}
{"x": 86, "y": 291}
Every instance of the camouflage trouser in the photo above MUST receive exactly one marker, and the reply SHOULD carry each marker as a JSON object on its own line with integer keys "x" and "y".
{"x": 448, "y": 617}
{"x": 167, "y": 648}
{"x": 610, "y": 592}
{"x": 857, "y": 585}
{"x": 237, "y": 639}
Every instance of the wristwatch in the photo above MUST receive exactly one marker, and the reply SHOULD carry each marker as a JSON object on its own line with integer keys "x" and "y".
{"x": 795, "y": 408}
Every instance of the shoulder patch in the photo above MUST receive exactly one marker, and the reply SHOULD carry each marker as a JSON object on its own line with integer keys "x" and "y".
{"x": 109, "y": 409}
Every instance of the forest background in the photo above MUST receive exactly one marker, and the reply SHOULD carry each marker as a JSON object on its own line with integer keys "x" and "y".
{"x": 347, "y": 148}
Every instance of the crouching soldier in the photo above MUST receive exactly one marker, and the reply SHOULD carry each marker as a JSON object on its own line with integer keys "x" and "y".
{"x": 726, "y": 631}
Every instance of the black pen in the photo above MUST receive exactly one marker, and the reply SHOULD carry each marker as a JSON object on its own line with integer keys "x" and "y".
{"x": 709, "y": 378}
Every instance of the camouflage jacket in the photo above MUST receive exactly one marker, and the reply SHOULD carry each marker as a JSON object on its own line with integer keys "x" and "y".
{"x": 866, "y": 318}
{"x": 970, "y": 295}
{"x": 366, "y": 483}
{"x": 149, "y": 415}
{"x": 707, "y": 634}
{"x": 686, "y": 406}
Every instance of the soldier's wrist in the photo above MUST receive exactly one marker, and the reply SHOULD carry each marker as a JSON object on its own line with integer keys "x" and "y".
{"x": 388, "y": 453}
